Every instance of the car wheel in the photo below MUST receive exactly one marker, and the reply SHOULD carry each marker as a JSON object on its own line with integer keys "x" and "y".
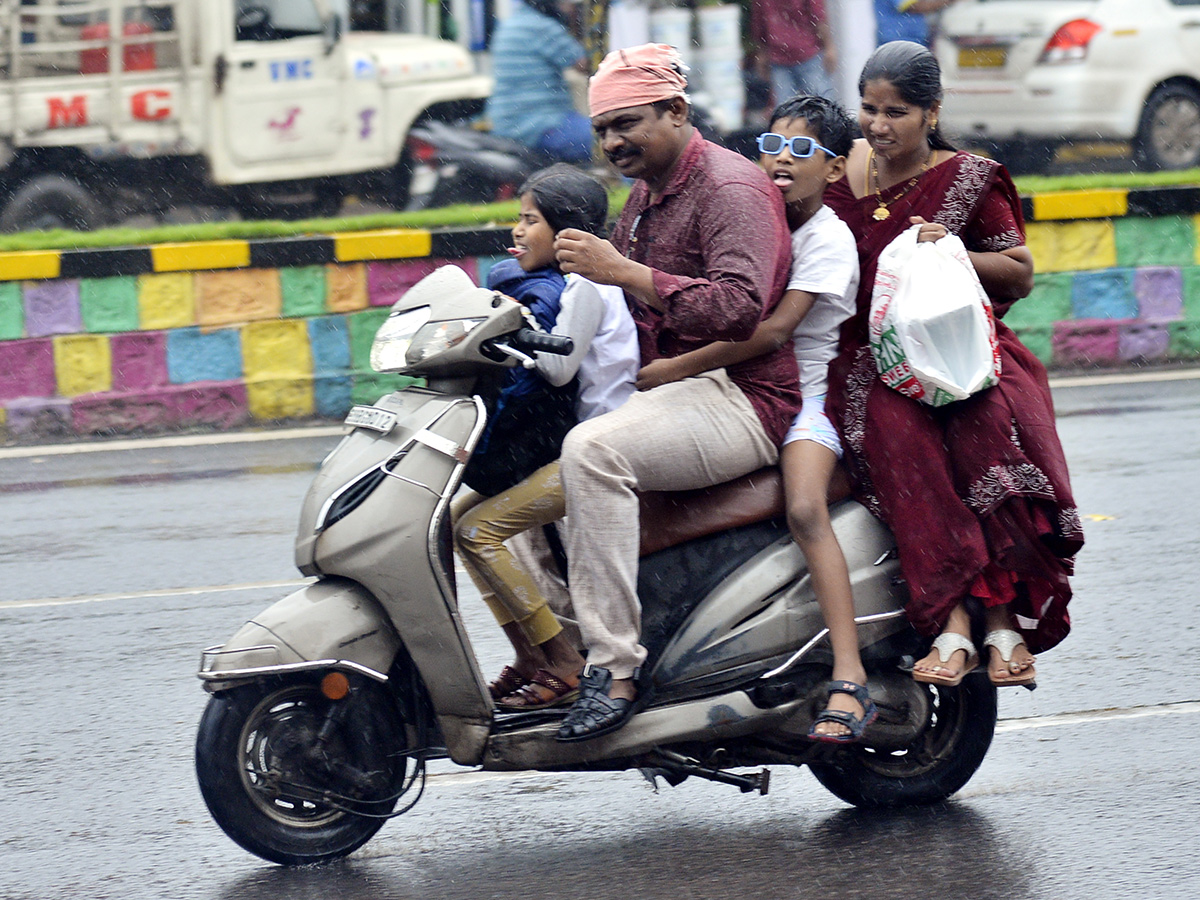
{"x": 1169, "y": 134}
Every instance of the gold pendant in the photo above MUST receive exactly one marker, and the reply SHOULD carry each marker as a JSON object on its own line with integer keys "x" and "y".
{"x": 881, "y": 213}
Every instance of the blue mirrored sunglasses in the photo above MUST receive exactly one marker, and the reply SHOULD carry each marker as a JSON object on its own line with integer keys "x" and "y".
{"x": 800, "y": 147}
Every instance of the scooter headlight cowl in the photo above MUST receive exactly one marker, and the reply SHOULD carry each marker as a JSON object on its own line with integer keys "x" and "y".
{"x": 395, "y": 336}
{"x": 438, "y": 337}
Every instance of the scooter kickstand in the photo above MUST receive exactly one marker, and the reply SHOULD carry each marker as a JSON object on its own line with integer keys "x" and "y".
{"x": 678, "y": 763}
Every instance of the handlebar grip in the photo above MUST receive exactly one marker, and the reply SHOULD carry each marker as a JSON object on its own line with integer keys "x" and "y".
{"x": 528, "y": 339}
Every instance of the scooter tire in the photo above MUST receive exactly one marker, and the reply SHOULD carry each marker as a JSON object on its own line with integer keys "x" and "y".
{"x": 266, "y": 727}
{"x": 937, "y": 765}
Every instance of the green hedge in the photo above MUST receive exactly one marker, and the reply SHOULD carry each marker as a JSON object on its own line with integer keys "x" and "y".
{"x": 467, "y": 216}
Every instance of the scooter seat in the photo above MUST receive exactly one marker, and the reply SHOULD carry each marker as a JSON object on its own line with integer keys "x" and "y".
{"x": 669, "y": 518}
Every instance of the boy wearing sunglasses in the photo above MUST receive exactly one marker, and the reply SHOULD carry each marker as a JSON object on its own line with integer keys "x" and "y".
{"x": 805, "y": 151}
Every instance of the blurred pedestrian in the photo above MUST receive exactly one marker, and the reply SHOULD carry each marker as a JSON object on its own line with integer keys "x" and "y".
{"x": 531, "y": 100}
{"x": 796, "y": 49}
{"x": 906, "y": 20}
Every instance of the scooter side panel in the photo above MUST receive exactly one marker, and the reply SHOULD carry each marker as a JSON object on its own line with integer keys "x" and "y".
{"x": 360, "y": 451}
{"x": 760, "y": 614}
{"x": 392, "y": 543}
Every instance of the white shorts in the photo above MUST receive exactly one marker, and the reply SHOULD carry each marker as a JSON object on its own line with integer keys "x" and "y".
{"x": 811, "y": 424}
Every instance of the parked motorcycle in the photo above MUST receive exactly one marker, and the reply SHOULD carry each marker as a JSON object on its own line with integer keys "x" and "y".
{"x": 326, "y": 707}
{"x": 458, "y": 162}
{"x": 455, "y": 162}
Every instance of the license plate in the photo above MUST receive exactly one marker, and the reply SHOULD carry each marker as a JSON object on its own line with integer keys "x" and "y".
{"x": 982, "y": 57}
{"x": 371, "y": 417}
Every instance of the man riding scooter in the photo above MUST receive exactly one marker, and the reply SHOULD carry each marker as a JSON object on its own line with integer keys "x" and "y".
{"x": 702, "y": 251}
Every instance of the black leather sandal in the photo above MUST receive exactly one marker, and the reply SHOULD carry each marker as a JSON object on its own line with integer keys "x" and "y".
{"x": 595, "y": 713}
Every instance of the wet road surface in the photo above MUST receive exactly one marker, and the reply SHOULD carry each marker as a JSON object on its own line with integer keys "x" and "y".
{"x": 117, "y": 567}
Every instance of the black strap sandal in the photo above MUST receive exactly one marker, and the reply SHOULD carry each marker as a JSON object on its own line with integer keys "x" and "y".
{"x": 595, "y": 713}
{"x": 857, "y": 725}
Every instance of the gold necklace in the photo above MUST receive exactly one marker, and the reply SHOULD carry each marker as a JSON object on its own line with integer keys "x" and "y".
{"x": 881, "y": 211}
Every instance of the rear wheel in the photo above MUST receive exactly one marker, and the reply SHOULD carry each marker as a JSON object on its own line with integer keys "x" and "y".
{"x": 297, "y": 778}
{"x": 936, "y": 765}
{"x": 1169, "y": 133}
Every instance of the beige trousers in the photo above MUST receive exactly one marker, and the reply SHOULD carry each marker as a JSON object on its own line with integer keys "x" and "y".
{"x": 688, "y": 434}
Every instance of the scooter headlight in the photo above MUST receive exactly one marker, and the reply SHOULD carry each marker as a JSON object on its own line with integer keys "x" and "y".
{"x": 395, "y": 336}
{"x": 438, "y": 337}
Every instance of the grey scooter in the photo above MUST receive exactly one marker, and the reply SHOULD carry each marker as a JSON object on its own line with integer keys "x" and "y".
{"x": 326, "y": 706}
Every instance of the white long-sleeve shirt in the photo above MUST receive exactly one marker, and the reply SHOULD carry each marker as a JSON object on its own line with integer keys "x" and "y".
{"x": 606, "y": 354}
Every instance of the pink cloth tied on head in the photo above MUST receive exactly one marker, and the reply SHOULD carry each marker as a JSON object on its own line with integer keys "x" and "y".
{"x": 637, "y": 76}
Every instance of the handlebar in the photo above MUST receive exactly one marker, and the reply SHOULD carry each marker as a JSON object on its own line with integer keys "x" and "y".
{"x": 527, "y": 339}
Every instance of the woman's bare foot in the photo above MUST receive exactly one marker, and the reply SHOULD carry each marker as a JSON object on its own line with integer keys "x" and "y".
{"x": 529, "y": 659}
{"x": 1009, "y": 660}
{"x": 951, "y": 668}
{"x": 1000, "y": 671}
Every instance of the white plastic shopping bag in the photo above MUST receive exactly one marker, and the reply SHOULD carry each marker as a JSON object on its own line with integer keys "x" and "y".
{"x": 932, "y": 331}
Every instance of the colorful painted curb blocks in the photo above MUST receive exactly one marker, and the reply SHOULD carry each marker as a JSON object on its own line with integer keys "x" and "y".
{"x": 224, "y": 334}
{"x": 216, "y": 335}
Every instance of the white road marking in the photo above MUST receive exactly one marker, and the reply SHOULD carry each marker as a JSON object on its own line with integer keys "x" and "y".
{"x": 169, "y": 441}
{"x": 1125, "y": 378}
{"x": 1086, "y": 717}
{"x": 141, "y": 595}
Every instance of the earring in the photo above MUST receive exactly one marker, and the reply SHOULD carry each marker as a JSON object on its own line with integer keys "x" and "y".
{"x": 933, "y": 124}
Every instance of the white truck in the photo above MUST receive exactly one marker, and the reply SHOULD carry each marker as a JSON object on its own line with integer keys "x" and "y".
{"x": 269, "y": 106}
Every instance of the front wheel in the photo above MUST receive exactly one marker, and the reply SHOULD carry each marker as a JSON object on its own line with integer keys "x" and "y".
{"x": 295, "y": 777}
{"x": 936, "y": 765}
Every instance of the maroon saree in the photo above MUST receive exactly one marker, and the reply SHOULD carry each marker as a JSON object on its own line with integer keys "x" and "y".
{"x": 976, "y": 492}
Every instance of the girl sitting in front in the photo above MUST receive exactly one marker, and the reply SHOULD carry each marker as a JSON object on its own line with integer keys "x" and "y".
{"x": 514, "y": 471}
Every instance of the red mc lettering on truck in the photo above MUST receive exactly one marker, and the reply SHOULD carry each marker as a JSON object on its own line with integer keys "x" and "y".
{"x": 64, "y": 113}
{"x": 151, "y": 105}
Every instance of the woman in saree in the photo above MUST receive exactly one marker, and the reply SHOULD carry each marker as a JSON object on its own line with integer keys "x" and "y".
{"x": 976, "y": 492}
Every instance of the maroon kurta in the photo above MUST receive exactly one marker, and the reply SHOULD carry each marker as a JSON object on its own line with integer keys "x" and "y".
{"x": 718, "y": 242}
{"x": 977, "y": 492}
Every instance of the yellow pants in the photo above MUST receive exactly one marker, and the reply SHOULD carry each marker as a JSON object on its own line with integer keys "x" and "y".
{"x": 482, "y": 525}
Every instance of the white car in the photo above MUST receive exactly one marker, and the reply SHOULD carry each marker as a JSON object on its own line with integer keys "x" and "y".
{"x": 1026, "y": 76}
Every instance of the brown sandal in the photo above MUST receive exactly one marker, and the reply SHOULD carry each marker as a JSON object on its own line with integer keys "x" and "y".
{"x": 508, "y": 683}
{"x": 545, "y": 690}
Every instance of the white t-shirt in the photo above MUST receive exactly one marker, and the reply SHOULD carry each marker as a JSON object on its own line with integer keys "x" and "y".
{"x": 824, "y": 263}
{"x": 606, "y": 354}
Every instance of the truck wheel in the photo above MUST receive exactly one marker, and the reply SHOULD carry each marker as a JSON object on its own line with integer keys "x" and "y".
{"x": 51, "y": 201}
{"x": 1169, "y": 134}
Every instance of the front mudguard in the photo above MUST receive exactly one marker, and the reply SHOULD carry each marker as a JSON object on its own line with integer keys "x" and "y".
{"x": 334, "y": 623}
